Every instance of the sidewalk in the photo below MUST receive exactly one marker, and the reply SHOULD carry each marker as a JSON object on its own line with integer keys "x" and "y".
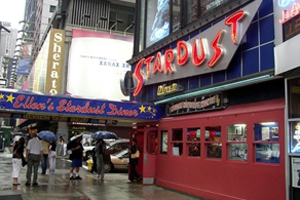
{"x": 58, "y": 186}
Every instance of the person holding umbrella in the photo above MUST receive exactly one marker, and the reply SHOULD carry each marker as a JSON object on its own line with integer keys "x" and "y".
{"x": 77, "y": 154}
{"x": 44, "y": 164}
{"x": 100, "y": 151}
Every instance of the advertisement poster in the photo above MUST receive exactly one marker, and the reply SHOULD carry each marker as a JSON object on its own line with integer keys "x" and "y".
{"x": 295, "y": 172}
{"x": 97, "y": 63}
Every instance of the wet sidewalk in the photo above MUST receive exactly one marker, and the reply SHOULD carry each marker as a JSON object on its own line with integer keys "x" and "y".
{"x": 58, "y": 186}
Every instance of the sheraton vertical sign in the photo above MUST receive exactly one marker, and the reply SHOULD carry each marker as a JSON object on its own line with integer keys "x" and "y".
{"x": 56, "y": 56}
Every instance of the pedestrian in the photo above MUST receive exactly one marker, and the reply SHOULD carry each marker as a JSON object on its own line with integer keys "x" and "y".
{"x": 60, "y": 146}
{"x": 18, "y": 155}
{"x": 52, "y": 157}
{"x": 100, "y": 151}
{"x": 64, "y": 147}
{"x": 77, "y": 155}
{"x": 94, "y": 166}
{"x": 44, "y": 164}
{"x": 34, "y": 154}
{"x": 133, "y": 161}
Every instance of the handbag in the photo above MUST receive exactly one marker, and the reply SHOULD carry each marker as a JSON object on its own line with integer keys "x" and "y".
{"x": 136, "y": 154}
{"x": 24, "y": 162}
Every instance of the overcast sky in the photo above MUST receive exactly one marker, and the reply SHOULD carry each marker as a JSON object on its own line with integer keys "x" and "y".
{"x": 12, "y": 11}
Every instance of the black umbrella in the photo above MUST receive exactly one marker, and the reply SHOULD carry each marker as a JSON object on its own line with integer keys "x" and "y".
{"x": 104, "y": 135}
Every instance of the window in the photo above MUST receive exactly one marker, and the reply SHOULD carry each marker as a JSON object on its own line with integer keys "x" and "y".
{"x": 52, "y": 8}
{"x": 192, "y": 10}
{"x": 236, "y": 140}
{"x": 152, "y": 142}
{"x": 213, "y": 142}
{"x": 266, "y": 136}
{"x": 294, "y": 95}
{"x": 164, "y": 142}
{"x": 176, "y": 15}
{"x": 158, "y": 20}
{"x": 193, "y": 142}
{"x": 177, "y": 142}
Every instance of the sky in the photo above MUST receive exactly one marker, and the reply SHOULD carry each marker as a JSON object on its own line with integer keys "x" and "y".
{"x": 12, "y": 11}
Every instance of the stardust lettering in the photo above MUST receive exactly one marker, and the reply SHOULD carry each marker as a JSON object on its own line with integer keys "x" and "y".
{"x": 197, "y": 52}
{"x": 67, "y": 106}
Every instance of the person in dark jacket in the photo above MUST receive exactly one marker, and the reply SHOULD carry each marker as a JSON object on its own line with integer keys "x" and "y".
{"x": 134, "y": 162}
{"x": 77, "y": 154}
{"x": 18, "y": 155}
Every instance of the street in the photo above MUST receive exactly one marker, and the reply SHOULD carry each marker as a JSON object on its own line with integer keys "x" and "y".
{"x": 58, "y": 186}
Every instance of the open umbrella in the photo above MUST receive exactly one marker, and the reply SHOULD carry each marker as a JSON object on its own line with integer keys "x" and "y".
{"x": 104, "y": 135}
{"x": 47, "y": 136}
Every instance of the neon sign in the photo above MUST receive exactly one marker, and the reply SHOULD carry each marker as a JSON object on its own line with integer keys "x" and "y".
{"x": 198, "y": 52}
{"x": 284, "y": 3}
{"x": 289, "y": 14}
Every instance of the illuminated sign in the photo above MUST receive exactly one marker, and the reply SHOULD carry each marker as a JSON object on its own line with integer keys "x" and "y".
{"x": 53, "y": 83}
{"x": 195, "y": 105}
{"x": 18, "y": 102}
{"x": 210, "y": 51}
{"x": 289, "y": 14}
{"x": 291, "y": 28}
{"x": 164, "y": 89}
{"x": 284, "y": 3}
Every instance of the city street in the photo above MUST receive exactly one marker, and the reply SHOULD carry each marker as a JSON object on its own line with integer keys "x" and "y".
{"x": 58, "y": 186}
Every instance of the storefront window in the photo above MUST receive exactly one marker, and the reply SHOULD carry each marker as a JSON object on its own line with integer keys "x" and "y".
{"x": 176, "y": 15}
{"x": 193, "y": 142}
{"x": 192, "y": 10}
{"x": 266, "y": 139}
{"x": 152, "y": 142}
{"x": 213, "y": 142}
{"x": 164, "y": 142}
{"x": 158, "y": 20}
{"x": 294, "y": 96}
{"x": 177, "y": 142}
{"x": 295, "y": 137}
{"x": 236, "y": 137}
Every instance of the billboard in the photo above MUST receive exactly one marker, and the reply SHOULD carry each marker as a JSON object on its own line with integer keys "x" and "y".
{"x": 97, "y": 63}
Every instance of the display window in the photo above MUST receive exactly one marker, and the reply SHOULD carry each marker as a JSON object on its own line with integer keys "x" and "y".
{"x": 164, "y": 142}
{"x": 193, "y": 142}
{"x": 158, "y": 20}
{"x": 294, "y": 96}
{"x": 177, "y": 142}
{"x": 213, "y": 141}
{"x": 236, "y": 142}
{"x": 266, "y": 142}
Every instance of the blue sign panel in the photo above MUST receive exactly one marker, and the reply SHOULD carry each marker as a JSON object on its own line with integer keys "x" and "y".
{"x": 66, "y": 105}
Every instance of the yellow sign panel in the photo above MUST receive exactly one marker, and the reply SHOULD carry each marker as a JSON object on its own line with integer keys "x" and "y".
{"x": 55, "y": 62}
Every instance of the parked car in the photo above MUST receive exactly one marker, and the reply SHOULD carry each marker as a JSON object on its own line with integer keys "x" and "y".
{"x": 112, "y": 147}
{"x": 119, "y": 161}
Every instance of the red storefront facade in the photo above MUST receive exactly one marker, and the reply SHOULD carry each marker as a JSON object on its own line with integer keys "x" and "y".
{"x": 223, "y": 136}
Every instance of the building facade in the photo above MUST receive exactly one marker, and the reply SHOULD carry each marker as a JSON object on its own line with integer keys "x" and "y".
{"x": 213, "y": 69}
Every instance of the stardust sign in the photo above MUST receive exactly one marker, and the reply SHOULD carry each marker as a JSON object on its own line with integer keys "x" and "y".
{"x": 210, "y": 51}
{"x": 38, "y": 104}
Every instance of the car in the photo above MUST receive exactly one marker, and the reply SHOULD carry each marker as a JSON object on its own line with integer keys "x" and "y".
{"x": 112, "y": 147}
{"x": 118, "y": 161}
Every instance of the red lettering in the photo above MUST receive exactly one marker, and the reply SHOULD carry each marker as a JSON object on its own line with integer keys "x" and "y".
{"x": 182, "y": 53}
{"x": 157, "y": 63}
{"x": 232, "y": 21}
{"x": 198, "y": 60}
{"x": 29, "y": 103}
{"x": 147, "y": 62}
{"x": 139, "y": 77}
{"x": 115, "y": 111}
{"x": 169, "y": 59}
{"x": 215, "y": 45}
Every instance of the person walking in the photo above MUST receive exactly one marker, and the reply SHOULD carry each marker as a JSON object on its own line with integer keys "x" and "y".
{"x": 60, "y": 146}
{"x": 100, "y": 151}
{"x": 133, "y": 161}
{"x": 52, "y": 157}
{"x": 18, "y": 155}
{"x": 34, "y": 154}
{"x": 77, "y": 155}
{"x": 44, "y": 164}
